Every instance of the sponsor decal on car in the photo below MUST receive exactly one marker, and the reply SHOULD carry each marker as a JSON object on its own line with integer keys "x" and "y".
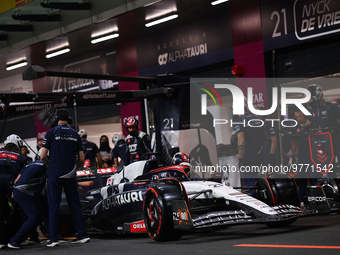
{"x": 120, "y": 199}
{"x": 138, "y": 227}
{"x": 181, "y": 216}
{"x": 317, "y": 199}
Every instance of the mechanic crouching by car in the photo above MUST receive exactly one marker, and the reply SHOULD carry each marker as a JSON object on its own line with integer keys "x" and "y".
{"x": 138, "y": 142}
{"x": 65, "y": 149}
{"x": 11, "y": 163}
{"x": 27, "y": 191}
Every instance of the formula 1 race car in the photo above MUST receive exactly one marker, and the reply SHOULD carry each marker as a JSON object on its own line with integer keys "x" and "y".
{"x": 165, "y": 203}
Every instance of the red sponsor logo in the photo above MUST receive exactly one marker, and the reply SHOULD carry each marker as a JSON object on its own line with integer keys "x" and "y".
{"x": 84, "y": 173}
{"x": 11, "y": 156}
{"x": 138, "y": 227}
{"x": 108, "y": 170}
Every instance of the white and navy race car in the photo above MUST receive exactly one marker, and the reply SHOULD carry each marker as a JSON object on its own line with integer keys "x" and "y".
{"x": 166, "y": 203}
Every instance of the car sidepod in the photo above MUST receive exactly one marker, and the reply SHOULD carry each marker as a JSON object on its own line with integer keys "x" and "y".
{"x": 121, "y": 209}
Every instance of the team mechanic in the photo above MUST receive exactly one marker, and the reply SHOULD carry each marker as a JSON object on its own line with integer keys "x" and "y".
{"x": 251, "y": 142}
{"x": 64, "y": 145}
{"x": 119, "y": 151}
{"x": 11, "y": 163}
{"x": 300, "y": 148}
{"x": 91, "y": 150}
{"x": 27, "y": 192}
{"x": 324, "y": 115}
{"x": 138, "y": 142}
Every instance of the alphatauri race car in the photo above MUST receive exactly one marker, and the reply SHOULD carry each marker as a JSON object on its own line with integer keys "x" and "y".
{"x": 166, "y": 203}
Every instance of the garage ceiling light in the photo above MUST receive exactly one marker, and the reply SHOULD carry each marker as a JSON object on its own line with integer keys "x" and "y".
{"x": 161, "y": 20}
{"x": 52, "y": 54}
{"x": 15, "y": 65}
{"x": 104, "y": 38}
{"x": 219, "y": 2}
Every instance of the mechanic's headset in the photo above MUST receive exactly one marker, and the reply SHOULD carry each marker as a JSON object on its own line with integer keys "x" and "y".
{"x": 61, "y": 113}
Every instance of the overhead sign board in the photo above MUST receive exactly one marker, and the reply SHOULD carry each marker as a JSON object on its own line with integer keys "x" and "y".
{"x": 290, "y": 22}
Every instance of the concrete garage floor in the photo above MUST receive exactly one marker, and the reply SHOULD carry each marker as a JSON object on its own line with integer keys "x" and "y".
{"x": 309, "y": 235}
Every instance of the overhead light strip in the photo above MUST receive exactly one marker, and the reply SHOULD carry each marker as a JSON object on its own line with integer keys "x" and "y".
{"x": 57, "y": 53}
{"x": 104, "y": 38}
{"x": 165, "y": 19}
{"x": 219, "y": 2}
{"x": 16, "y": 65}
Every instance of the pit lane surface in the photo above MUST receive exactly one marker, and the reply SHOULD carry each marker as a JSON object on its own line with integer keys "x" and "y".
{"x": 309, "y": 235}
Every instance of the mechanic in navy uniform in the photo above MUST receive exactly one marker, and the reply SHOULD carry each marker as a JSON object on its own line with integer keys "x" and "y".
{"x": 27, "y": 193}
{"x": 324, "y": 115}
{"x": 65, "y": 149}
{"x": 91, "y": 150}
{"x": 120, "y": 150}
{"x": 300, "y": 149}
{"x": 138, "y": 142}
{"x": 11, "y": 163}
{"x": 251, "y": 141}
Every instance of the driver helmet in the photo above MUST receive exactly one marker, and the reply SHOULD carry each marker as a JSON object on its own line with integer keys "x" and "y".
{"x": 180, "y": 158}
{"x": 116, "y": 138}
{"x": 82, "y": 133}
{"x": 316, "y": 94}
{"x": 130, "y": 122}
{"x": 14, "y": 139}
{"x": 87, "y": 164}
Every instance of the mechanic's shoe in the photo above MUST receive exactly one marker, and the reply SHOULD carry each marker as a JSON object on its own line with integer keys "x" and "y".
{"x": 52, "y": 244}
{"x": 34, "y": 240}
{"x": 2, "y": 246}
{"x": 60, "y": 240}
{"x": 13, "y": 246}
{"x": 81, "y": 239}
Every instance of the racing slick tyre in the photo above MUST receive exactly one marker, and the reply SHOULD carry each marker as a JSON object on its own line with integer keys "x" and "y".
{"x": 277, "y": 189}
{"x": 157, "y": 209}
{"x": 331, "y": 188}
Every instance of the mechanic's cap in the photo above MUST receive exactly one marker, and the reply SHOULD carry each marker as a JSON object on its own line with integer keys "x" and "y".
{"x": 315, "y": 91}
{"x": 14, "y": 139}
{"x": 117, "y": 137}
{"x": 82, "y": 132}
